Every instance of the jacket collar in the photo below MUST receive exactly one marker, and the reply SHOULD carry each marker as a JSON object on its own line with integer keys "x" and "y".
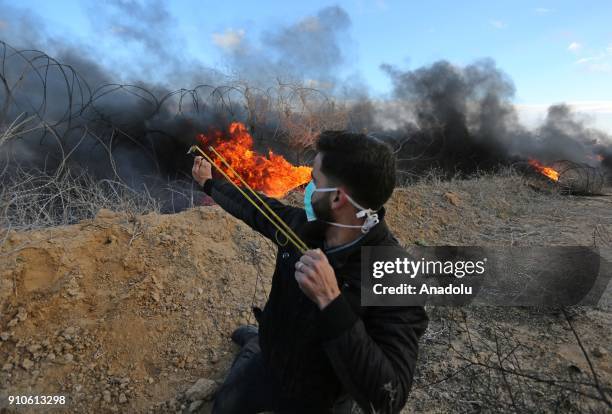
{"x": 339, "y": 256}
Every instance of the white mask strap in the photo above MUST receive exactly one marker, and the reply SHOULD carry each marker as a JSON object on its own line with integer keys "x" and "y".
{"x": 370, "y": 215}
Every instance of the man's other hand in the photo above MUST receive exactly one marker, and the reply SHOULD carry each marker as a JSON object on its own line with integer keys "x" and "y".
{"x": 317, "y": 278}
{"x": 201, "y": 170}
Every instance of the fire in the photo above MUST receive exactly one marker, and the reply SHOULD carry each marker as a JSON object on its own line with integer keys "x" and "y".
{"x": 273, "y": 175}
{"x": 547, "y": 171}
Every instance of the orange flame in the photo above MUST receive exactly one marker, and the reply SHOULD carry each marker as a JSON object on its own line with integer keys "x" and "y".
{"x": 273, "y": 175}
{"x": 547, "y": 171}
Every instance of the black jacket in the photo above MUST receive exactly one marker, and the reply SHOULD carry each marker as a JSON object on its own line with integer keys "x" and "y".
{"x": 367, "y": 352}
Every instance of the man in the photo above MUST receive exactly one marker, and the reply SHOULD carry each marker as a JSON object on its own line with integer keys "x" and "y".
{"x": 316, "y": 344}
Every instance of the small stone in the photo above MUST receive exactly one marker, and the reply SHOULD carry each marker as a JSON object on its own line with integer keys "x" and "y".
{"x": 5, "y": 336}
{"x": 51, "y": 356}
{"x": 106, "y": 396}
{"x": 599, "y": 352}
{"x": 122, "y": 398}
{"x": 193, "y": 407}
{"x": 27, "y": 364}
{"x": 150, "y": 380}
{"x": 7, "y": 367}
{"x": 34, "y": 348}
{"x": 69, "y": 357}
{"x": 201, "y": 390}
{"x": 13, "y": 322}
{"x": 22, "y": 315}
{"x": 453, "y": 198}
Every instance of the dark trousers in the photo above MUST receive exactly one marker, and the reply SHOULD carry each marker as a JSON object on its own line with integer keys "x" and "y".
{"x": 249, "y": 388}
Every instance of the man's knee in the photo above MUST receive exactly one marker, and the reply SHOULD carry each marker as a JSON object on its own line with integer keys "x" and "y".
{"x": 243, "y": 379}
{"x": 228, "y": 400}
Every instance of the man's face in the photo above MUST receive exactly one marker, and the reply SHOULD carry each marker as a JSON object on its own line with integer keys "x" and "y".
{"x": 321, "y": 201}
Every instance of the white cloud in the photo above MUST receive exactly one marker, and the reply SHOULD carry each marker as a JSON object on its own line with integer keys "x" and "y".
{"x": 498, "y": 24}
{"x": 603, "y": 67}
{"x": 382, "y": 5}
{"x": 231, "y": 39}
{"x": 574, "y": 47}
{"x": 590, "y": 59}
{"x": 599, "y": 63}
{"x": 542, "y": 10}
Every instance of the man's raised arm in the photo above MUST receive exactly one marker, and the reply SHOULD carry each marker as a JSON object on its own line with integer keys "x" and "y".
{"x": 232, "y": 201}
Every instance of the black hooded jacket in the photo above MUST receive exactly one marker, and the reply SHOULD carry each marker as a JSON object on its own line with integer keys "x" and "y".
{"x": 318, "y": 355}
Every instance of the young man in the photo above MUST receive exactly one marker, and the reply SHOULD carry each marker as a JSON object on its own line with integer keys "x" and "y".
{"x": 316, "y": 344}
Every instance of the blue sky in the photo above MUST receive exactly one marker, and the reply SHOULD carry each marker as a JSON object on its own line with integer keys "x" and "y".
{"x": 555, "y": 51}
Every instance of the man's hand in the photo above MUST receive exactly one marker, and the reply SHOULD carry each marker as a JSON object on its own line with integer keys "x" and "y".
{"x": 201, "y": 170}
{"x": 317, "y": 278}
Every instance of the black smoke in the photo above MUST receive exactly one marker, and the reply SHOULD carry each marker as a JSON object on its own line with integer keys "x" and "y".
{"x": 126, "y": 120}
{"x": 461, "y": 120}
{"x": 133, "y": 119}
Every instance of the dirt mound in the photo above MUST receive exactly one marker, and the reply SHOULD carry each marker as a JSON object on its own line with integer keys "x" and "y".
{"x": 134, "y": 306}
{"x": 125, "y": 314}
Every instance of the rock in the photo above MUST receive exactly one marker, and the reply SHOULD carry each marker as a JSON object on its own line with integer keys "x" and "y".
{"x": 27, "y": 364}
{"x": 201, "y": 390}
{"x": 22, "y": 315}
{"x": 599, "y": 352}
{"x": 69, "y": 357}
{"x": 453, "y": 198}
{"x": 5, "y": 336}
{"x": 13, "y": 322}
{"x": 34, "y": 348}
{"x": 122, "y": 398}
{"x": 106, "y": 396}
{"x": 193, "y": 407}
{"x": 73, "y": 291}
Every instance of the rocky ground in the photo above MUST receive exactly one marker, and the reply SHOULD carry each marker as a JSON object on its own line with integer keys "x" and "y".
{"x": 133, "y": 313}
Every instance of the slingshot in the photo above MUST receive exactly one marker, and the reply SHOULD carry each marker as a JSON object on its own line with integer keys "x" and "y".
{"x": 273, "y": 218}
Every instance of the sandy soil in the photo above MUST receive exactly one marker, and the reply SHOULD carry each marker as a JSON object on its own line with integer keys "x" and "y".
{"x": 125, "y": 314}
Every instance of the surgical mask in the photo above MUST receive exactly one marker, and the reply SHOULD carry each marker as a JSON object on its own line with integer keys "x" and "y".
{"x": 371, "y": 215}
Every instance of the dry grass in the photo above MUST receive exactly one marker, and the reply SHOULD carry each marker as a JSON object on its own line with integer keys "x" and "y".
{"x": 35, "y": 199}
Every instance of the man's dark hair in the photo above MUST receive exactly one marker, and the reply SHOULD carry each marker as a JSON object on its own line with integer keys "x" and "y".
{"x": 365, "y": 165}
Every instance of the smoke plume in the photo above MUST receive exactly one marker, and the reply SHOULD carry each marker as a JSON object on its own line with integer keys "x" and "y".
{"x": 132, "y": 117}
